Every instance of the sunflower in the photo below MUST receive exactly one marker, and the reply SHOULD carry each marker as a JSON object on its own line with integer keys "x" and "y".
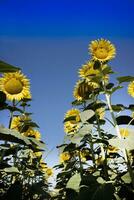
{"x": 131, "y": 89}
{"x": 82, "y": 89}
{"x": 38, "y": 154}
{"x": 124, "y": 132}
{"x": 72, "y": 125}
{"x": 49, "y": 172}
{"x": 112, "y": 149}
{"x": 15, "y": 85}
{"x": 65, "y": 156}
{"x": 32, "y": 133}
{"x": 100, "y": 112}
{"x": 88, "y": 72}
{"x": 73, "y": 113}
{"x": 102, "y": 50}
{"x": 43, "y": 165}
{"x": 18, "y": 122}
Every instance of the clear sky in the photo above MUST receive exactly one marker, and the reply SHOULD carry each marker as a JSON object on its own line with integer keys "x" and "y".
{"x": 49, "y": 40}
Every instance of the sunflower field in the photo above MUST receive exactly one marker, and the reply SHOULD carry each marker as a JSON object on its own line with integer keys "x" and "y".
{"x": 96, "y": 159}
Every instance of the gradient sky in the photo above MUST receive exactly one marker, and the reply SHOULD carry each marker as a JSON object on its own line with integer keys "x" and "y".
{"x": 49, "y": 41}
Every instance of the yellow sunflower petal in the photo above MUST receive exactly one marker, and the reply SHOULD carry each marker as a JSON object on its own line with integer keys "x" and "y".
{"x": 65, "y": 156}
{"x": 131, "y": 89}
{"x": 33, "y": 133}
{"x": 102, "y": 50}
{"x": 15, "y": 85}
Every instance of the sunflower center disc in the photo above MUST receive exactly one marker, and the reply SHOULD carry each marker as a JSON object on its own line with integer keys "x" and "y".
{"x": 13, "y": 86}
{"x": 101, "y": 53}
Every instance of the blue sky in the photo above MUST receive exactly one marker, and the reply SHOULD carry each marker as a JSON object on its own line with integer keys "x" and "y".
{"x": 49, "y": 41}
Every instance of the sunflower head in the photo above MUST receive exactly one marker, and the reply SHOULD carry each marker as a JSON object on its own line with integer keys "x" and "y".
{"x": 65, "y": 156}
{"x": 72, "y": 125}
{"x": 131, "y": 89}
{"x": 73, "y": 113}
{"x": 19, "y": 121}
{"x": 82, "y": 89}
{"x": 15, "y": 85}
{"x": 88, "y": 71}
{"x": 32, "y": 133}
{"x": 102, "y": 50}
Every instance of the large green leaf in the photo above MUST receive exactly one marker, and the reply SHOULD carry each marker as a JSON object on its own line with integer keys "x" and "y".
{"x": 124, "y": 119}
{"x": 122, "y": 79}
{"x": 10, "y": 170}
{"x": 104, "y": 192}
{"x": 13, "y": 136}
{"x": 38, "y": 143}
{"x": 126, "y": 178}
{"x": 124, "y": 143}
{"x": 76, "y": 138}
{"x": 74, "y": 182}
{"x": 85, "y": 115}
{"x": 5, "y": 67}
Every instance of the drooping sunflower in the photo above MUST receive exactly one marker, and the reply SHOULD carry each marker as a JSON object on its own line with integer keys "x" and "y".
{"x": 82, "y": 89}
{"x": 65, "y": 156}
{"x": 131, "y": 89}
{"x": 32, "y": 133}
{"x": 72, "y": 125}
{"x": 102, "y": 50}
{"x": 15, "y": 85}
{"x": 18, "y": 122}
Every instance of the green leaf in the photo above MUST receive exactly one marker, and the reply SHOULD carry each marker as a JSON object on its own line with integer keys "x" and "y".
{"x": 10, "y": 170}
{"x": 76, "y": 138}
{"x": 2, "y": 97}
{"x": 124, "y": 143}
{"x": 118, "y": 107}
{"x": 107, "y": 70}
{"x": 131, "y": 107}
{"x": 124, "y": 119}
{"x": 74, "y": 182}
{"x": 126, "y": 178}
{"x": 115, "y": 89}
{"x": 13, "y": 136}
{"x": 97, "y": 65}
{"x": 109, "y": 86}
{"x": 5, "y": 67}
{"x": 104, "y": 192}
{"x": 38, "y": 143}
{"x": 122, "y": 79}
{"x": 69, "y": 119}
{"x": 85, "y": 115}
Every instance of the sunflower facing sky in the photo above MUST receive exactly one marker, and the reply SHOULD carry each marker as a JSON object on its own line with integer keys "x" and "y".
{"x": 131, "y": 89}
{"x": 65, "y": 156}
{"x": 15, "y": 85}
{"x": 102, "y": 50}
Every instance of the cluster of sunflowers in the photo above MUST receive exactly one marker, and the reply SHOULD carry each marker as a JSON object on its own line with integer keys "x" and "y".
{"x": 21, "y": 154}
{"x": 97, "y": 163}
